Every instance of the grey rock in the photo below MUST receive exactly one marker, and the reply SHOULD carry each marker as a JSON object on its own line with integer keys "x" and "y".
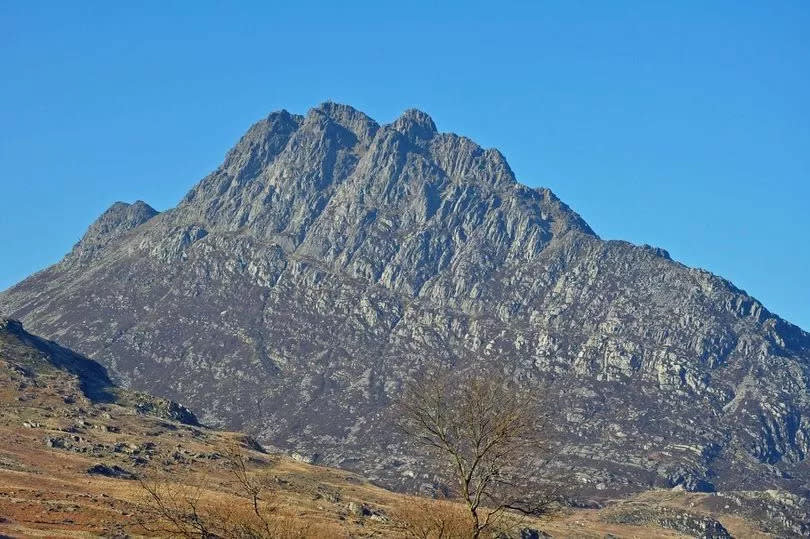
{"x": 780, "y": 513}
{"x": 690, "y": 524}
{"x": 532, "y": 533}
{"x": 167, "y": 409}
{"x": 110, "y": 471}
{"x": 114, "y": 222}
{"x": 523, "y": 533}
{"x": 364, "y": 510}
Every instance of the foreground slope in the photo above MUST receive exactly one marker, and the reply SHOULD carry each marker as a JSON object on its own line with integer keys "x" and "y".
{"x": 294, "y": 290}
{"x": 76, "y": 452}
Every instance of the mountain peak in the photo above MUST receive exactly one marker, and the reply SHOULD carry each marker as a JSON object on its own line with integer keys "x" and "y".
{"x": 346, "y": 116}
{"x": 415, "y": 124}
{"x": 123, "y": 215}
{"x": 259, "y": 145}
{"x": 337, "y": 110}
{"x": 119, "y": 218}
{"x": 313, "y": 181}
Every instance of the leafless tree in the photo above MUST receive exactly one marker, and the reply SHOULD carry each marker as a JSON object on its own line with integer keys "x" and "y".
{"x": 171, "y": 509}
{"x": 175, "y": 510}
{"x": 422, "y": 518}
{"x": 488, "y": 434}
{"x": 251, "y": 485}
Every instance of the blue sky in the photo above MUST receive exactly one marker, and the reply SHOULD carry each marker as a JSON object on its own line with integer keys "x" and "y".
{"x": 679, "y": 124}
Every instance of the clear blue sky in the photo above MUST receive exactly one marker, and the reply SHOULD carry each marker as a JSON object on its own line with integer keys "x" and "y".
{"x": 679, "y": 124}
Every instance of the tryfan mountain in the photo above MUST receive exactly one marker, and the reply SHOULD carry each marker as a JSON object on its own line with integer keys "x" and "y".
{"x": 329, "y": 259}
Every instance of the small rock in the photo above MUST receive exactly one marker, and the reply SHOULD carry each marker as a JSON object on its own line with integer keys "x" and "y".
{"x": 110, "y": 471}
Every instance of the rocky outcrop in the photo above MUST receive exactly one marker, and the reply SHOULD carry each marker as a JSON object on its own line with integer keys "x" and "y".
{"x": 294, "y": 290}
{"x": 110, "y": 471}
{"x": 689, "y": 524}
{"x": 30, "y": 360}
{"x": 117, "y": 220}
{"x": 781, "y": 513}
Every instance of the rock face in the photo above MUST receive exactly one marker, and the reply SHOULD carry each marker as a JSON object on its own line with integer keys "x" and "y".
{"x": 114, "y": 222}
{"x": 691, "y": 525}
{"x": 294, "y": 290}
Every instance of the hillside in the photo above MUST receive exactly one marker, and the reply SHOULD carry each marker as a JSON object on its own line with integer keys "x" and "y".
{"x": 73, "y": 459}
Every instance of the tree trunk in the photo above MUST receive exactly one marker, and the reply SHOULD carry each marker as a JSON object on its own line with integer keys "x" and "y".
{"x": 476, "y": 531}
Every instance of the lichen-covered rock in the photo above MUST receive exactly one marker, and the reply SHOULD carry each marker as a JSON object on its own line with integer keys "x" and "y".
{"x": 294, "y": 290}
{"x": 167, "y": 409}
{"x": 687, "y": 523}
{"x": 781, "y": 513}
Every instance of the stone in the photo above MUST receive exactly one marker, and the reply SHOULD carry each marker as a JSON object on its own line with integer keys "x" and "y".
{"x": 110, "y": 471}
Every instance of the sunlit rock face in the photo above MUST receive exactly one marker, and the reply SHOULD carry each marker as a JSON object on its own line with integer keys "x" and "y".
{"x": 294, "y": 289}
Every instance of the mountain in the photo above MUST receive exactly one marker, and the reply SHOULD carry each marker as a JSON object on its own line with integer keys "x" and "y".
{"x": 294, "y": 290}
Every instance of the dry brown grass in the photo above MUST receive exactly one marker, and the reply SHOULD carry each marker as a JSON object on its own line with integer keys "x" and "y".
{"x": 170, "y": 509}
{"x": 432, "y": 519}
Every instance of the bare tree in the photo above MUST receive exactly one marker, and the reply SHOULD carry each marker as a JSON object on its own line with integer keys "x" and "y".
{"x": 172, "y": 509}
{"x": 489, "y": 436}
{"x": 421, "y": 518}
{"x": 177, "y": 511}
{"x": 251, "y": 485}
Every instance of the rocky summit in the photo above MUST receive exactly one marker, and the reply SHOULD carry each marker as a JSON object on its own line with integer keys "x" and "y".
{"x": 294, "y": 290}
